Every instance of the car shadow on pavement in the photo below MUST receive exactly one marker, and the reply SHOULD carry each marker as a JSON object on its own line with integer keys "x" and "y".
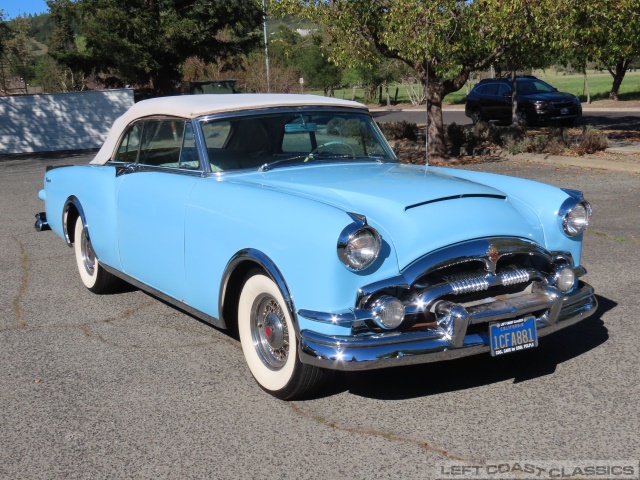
{"x": 402, "y": 383}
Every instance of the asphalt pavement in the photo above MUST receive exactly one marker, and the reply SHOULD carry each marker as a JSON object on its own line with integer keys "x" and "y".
{"x": 125, "y": 386}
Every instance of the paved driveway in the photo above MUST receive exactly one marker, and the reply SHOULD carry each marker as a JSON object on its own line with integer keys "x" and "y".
{"x": 124, "y": 386}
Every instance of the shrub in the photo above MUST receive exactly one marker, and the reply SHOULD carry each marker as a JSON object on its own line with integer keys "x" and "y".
{"x": 456, "y": 135}
{"x": 483, "y": 132}
{"x": 335, "y": 126}
{"x": 399, "y": 130}
{"x": 592, "y": 140}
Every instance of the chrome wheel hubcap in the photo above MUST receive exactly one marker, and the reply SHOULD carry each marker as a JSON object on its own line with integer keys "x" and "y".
{"x": 269, "y": 332}
{"x": 88, "y": 255}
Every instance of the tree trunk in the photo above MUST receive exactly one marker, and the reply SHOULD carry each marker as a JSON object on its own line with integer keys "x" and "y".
{"x": 514, "y": 99}
{"x": 618, "y": 75}
{"x": 586, "y": 86}
{"x": 436, "y": 146}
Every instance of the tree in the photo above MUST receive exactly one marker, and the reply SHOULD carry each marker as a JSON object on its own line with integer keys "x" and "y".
{"x": 4, "y": 32}
{"x": 607, "y": 31}
{"x": 145, "y": 42}
{"x": 18, "y": 51}
{"x": 315, "y": 68}
{"x": 65, "y": 67}
{"x": 442, "y": 41}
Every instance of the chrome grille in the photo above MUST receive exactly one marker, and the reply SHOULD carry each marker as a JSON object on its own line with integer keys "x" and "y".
{"x": 467, "y": 283}
{"x": 514, "y": 276}
{"x": 479, "y": 281}
{"x": 563, "y": 104}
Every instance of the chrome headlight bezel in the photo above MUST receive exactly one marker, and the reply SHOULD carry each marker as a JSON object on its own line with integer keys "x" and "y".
{"x": 574, "y": 215}
{"x": 350, "y": 235}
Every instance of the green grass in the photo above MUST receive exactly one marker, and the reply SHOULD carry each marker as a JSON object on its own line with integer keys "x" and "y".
{"x": 599, "y": 86}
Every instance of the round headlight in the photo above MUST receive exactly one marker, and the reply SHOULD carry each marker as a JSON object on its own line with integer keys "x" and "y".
{"x": 360, "y": 248}
{"x": 565, "y": 278}
{"x": 388, "y": 312}
{"x": 576, "y": 220}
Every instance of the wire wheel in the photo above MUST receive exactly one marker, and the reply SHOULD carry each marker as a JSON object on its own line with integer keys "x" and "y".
{"x": 269, "y": 332}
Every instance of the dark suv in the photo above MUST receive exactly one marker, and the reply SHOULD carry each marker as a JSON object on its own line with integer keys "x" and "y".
{"x": 538, "y": 101}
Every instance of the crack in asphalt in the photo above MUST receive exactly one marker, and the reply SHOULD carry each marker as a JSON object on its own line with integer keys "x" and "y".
{"x": 388, "y": 436}
{"x": 85, "y": 328}
{"x": 24, "y": 278}
{"x": 614, "y": 238}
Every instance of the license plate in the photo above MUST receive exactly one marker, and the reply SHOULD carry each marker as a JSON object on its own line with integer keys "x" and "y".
{"x": 513, "y": 336}
{"x": 564, "y": 111}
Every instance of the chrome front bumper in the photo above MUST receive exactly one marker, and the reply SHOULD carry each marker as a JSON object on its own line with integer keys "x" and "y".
{"x": 406, "y": 348}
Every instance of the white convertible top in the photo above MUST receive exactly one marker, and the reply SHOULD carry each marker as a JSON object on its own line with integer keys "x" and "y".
{"x": 192, "y": 106}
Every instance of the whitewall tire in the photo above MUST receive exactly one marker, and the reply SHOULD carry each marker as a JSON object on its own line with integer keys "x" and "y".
{"x": 92, "y": 274}
{"x": 269, "y": 342}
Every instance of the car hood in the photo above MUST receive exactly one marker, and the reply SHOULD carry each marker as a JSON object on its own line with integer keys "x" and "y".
{"x": 414, "y": 209}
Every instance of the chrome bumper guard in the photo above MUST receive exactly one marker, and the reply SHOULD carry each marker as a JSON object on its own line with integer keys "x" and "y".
{"x": 406, "y": 348}
{"x": 41, "y": 224}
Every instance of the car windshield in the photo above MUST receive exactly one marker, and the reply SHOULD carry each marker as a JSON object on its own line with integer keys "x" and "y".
{"x": 534, "y": 86}
{"x": 272, "y": 140}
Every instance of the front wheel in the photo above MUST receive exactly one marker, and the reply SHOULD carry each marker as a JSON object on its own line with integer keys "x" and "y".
{"x": 476, "y": 116}
{"x": 269, "y": 341}
{"x": 524, "y": 119}
{"x": 93, "y": 275}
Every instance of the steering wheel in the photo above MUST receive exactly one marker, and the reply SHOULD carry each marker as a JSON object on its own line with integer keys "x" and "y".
{"x": 329, "y": 144}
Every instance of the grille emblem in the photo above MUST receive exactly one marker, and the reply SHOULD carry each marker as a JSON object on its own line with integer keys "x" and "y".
{"x": 492, "y": 258}
{"x": 493, "y": 253}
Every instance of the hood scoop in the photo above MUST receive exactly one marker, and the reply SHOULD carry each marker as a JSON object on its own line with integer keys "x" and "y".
{"x": 455, "y": 197}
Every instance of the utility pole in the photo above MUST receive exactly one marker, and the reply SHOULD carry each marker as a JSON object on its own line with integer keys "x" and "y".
{"x": 266, "y": 45}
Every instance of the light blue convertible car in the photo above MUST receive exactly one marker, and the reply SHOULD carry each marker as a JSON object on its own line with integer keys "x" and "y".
{"x": 288, "y": 220}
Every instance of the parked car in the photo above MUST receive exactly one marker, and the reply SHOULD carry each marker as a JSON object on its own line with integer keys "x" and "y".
{"x": 288, "y": 219}
{"x": 217, "y": 87}
{"x": 538, "y": 102}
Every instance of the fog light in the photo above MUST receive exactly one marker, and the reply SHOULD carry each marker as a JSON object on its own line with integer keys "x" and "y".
{"x": 388, "y": 312}
{"x": 565, "y": 278}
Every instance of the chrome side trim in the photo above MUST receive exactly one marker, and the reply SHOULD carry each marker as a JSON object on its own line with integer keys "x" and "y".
{"x": 256, "y": 256}
{"x": 409, "y": 348}
{"x": 164, "y": 297}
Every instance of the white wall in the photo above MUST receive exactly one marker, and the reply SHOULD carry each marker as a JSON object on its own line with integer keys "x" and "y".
{"x": 59, "y": 121}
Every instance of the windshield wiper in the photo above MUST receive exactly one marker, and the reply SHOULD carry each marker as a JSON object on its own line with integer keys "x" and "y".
{"x": 319, "y": 156}
{"x": 269, "y": 165}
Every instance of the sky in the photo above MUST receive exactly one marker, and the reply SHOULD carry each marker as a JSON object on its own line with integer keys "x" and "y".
{"x": 13, "y": 8}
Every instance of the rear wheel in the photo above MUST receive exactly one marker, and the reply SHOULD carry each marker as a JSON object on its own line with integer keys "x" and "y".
{"x": 93, "y": 275}
{"x": 269, "y": 341}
